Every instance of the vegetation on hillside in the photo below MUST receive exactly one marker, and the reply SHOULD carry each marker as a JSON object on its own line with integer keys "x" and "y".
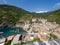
{"x": 54, "y": 17}
{"x": 11, "y": 14}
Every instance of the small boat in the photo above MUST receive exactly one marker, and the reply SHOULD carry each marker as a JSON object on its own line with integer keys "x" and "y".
{"x": 1, "y": 32}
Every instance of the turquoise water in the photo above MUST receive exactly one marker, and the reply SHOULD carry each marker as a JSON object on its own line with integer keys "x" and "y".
{"x": 11, "y": 31}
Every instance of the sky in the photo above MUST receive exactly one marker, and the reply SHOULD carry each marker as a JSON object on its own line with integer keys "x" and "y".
{"x": 38, "y": 6}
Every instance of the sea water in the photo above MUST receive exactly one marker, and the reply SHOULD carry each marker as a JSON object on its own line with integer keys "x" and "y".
{"x": 11, "y": 31}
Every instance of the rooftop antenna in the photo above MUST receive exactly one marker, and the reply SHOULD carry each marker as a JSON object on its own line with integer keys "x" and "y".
{"x": 5, "y": 2}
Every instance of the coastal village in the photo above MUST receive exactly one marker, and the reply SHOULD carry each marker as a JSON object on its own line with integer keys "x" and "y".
{"x": 39, "y": 32}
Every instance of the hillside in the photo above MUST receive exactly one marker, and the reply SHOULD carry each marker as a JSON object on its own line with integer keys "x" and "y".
{"x": 11, "y": 14}
{"x": 42, "y": 15}
{"x": 54, "y": 16}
